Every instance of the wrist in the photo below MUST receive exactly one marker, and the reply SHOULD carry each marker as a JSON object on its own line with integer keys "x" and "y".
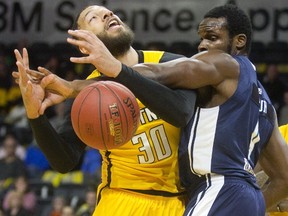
{"x": 33, "y": 115}
{"x": 116, "y": 69}
{"x": 73, "y": 90}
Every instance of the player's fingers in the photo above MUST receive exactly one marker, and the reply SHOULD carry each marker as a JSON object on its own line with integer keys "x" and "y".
{"x": 82, "y": 60}
{"x": 18, "y": 55}
{"x": 25, "y": 58}
{"x": 83, "y": 39}
{"x": 15, "y": 74}
{"x": 46, "y": 81}
{"x": 80, "y": 34}
{"x": 79, "y": 43}
{"x": 29, "y": 88}
{"x": 23, "y": 78}
{"x": 45, "y": 104}
{"x": 35, "y": 75}
{"x": 44, "y": 71}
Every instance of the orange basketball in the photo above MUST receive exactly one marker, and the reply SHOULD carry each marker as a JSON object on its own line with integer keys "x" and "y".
{"x": 105, "y": 115}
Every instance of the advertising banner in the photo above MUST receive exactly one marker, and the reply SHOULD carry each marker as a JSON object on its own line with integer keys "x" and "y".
{"x": 151, "y": 20}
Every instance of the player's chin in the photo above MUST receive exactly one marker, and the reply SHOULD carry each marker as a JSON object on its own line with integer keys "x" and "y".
{"x": 115, "y": 29}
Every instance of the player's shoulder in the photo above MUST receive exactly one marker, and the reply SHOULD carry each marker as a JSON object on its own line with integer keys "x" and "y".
{"x": 215, "y": 56}
{"x": 218, "y": 61}
{"x": 154, "y": 56}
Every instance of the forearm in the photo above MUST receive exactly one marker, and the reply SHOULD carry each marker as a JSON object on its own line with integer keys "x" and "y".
{"x": 62, "y": 155}
{"x": 167, "y": 73}
{"x": 274, "y": 193}
{"x": 78, "y": 85}
{"x": 174, "y": 106}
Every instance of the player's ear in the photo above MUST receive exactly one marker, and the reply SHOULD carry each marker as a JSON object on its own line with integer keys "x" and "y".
{"x": 240, "y": 41}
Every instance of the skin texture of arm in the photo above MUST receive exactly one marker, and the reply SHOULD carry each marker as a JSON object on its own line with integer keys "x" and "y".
{"x": 275, "y": 154}
{"x": 203, "y": 69}
{"x": 185, "y": 72}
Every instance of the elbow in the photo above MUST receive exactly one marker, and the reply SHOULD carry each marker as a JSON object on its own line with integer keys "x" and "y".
{"x": 186, "y": 110}
{"x": 185, "y": 118}
{"x": 182, "y": 116}
{"x": 63, "y": 166}
{"x": 61, "y": 169}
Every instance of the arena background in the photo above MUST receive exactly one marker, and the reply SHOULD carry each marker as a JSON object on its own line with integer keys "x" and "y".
{"x": 41, "y": 26}
{"x": 165, "y": 20}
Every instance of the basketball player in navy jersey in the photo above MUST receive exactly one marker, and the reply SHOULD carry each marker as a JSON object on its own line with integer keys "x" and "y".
{"x": 234, "y": 125}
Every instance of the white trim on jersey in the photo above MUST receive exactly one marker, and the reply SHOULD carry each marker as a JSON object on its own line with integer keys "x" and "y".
{"x": 202, "y": 140}
{"x": 206, "y": 198}
{"x": 255, "y": 138}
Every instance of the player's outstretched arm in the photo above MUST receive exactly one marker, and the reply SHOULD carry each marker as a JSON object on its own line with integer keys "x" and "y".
{"x": 173, "y": 106}
{"x": 64, "y": 150}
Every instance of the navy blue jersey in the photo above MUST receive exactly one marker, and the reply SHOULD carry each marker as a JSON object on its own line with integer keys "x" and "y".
{"x": 226, "y": 140}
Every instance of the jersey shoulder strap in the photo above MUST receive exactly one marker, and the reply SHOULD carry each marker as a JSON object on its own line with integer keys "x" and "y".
{"x": 94, "y": 74}
{"x": 152, "y": 56}
{"x": 284, "y": 131}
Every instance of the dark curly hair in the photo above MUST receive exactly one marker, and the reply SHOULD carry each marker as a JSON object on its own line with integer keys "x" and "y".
{"x": 238, "y": 21}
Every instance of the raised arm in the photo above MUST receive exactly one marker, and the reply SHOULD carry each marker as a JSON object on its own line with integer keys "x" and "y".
{"x": 63, "y": 150}
{"x": 174, "y": 106}
{"x": 208, "y": 68}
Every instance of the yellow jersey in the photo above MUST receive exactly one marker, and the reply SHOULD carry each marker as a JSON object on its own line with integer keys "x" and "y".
{"x": 284, "y": 131}
{"x": 149, "y": 161}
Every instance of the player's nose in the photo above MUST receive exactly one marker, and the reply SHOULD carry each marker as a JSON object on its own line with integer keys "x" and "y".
{"x": 107, "y": 14}
{"x": 202, "y": 46}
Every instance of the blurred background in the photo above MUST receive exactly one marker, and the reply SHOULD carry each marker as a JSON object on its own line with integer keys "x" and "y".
{"x": 167, "y": 25}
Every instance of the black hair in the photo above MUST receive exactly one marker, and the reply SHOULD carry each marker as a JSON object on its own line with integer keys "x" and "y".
{"x": 75, "y": 25}
{"x": 238, "y": 21}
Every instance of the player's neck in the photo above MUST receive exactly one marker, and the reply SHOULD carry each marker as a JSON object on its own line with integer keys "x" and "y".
{"x": 130, "y": 58}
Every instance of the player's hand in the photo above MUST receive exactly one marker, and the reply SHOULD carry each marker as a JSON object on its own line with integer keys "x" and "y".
{"x": 55, "y": 85}
{"x": 33, "y": 75}
{"x": 32, "y": 93}
{"x": 95, "y": 51}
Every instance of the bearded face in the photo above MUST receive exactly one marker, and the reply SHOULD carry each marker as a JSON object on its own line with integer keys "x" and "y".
{"x": 120, "y": 43}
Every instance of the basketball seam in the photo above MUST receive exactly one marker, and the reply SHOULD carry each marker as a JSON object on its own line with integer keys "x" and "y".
{"x": 100, "y": 116}
{"x": 122, "y": 107}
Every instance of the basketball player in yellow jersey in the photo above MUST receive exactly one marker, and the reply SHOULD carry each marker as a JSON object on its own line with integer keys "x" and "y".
{"x": 141, "y": 177}
{"x": 154, "y": 185}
